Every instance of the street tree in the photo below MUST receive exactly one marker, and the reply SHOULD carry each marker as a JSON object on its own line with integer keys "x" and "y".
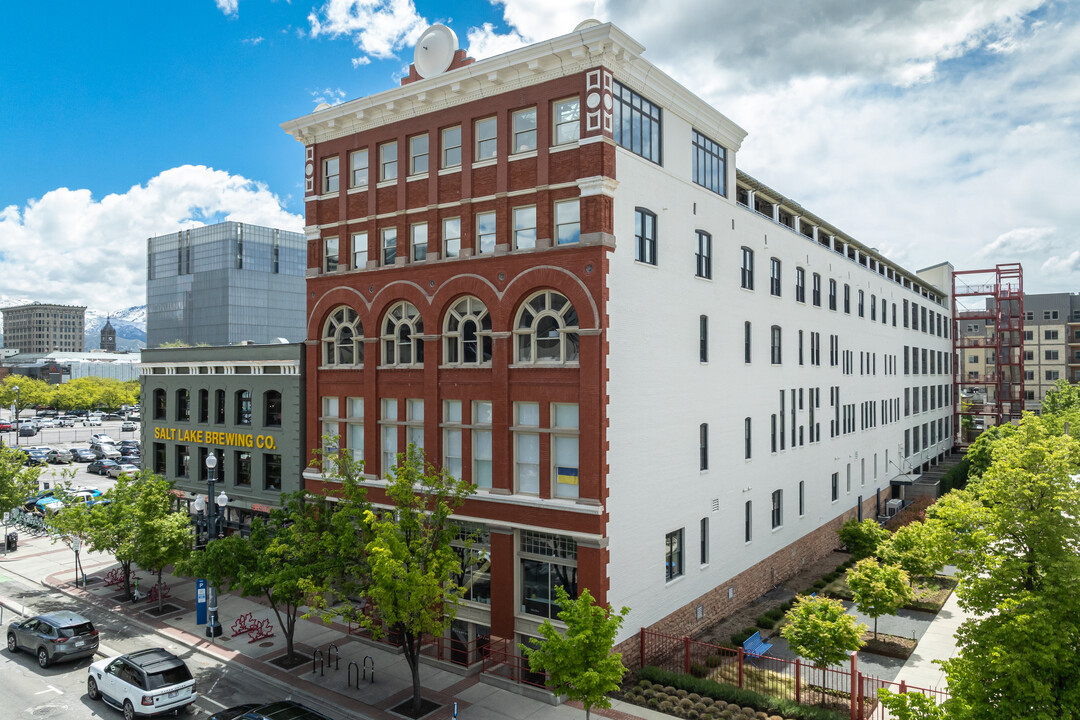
{"x": 411, "y": 561}
{"x": 1018, "y": 530}
{"x": 161, "y": 537}
{"x": 862, "y": 539}
{"x": 111, "y": 527}
{"x": 282, "y": 559}
{"x": 1064, "y": 397}
{"x": 820, "y": 630}
{"x": 579, "y": 662}
{"x": 916, "y": 548}
{"x": 878, "y": 589}
{"x": 17, "y": 482}
{"x": 31, "y": 392}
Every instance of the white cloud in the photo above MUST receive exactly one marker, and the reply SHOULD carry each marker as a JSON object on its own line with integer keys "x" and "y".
{"x": 253, "y": 40}
{"x": 68, "y": 247}
{"x": 330, "y": 96}
{"x": 485, "y": 41}
{"x": 378, "y": 27}
{"x": 229, "y": 7}
{"x": 361, "y": 61}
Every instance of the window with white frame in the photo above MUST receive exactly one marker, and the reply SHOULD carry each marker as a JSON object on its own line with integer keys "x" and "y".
{"x": 777, "y": 508}
{"x": 389, "y": 245}
{"x": 704, "y": 254}
{"x": 342, "y": 339}
{"x": 418, "y": 154}
{"x": 401, "y": 341}
{"x": 451, "y": 236}
{"x": 354, "y": 428}
{"x": 567, "y": 119}
{"x": 331, "y": 167}
{"x": 564, "y": 449}
{"x": 486, "y": 133}
{"x": 359, "y": 250}
{"x": 526, "y": 432}
{"x": 388, "y": 428}
{"x": 774, "y": 277}
{"x": 418, "y": 231}
{"x": 330, "y": 254}
{"x": 452, "y": 432}
{"x": 546, "y": 330}
{"x": 524, "y": 227}
{"x": 330, "y": 439}
{"x": 547, "y": 562}
{"x": 485, "y": 232}
{"x": 645, "y": 236}
{"x": 481, "y": 444}
{"x": 567, "y": 221}
{"x": 746, "y": 271}
{"x": 673, "y": 555}
{"x": 524, "y": 126}
{"x": 414, "y": 422}
{"x": 388, "y": 161}
{"x": 467, "y": 333}
{"x": 451, "y": 146}
{"x": 358, "y": 165}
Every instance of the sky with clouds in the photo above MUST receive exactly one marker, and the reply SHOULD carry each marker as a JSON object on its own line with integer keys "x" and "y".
{"x": 930, "y": 130}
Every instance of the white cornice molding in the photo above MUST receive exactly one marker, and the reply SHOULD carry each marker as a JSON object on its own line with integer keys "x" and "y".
{"x": 569, "y": 54}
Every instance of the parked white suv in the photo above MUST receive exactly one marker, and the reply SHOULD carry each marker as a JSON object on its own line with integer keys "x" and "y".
{"x": 143, "y": 683}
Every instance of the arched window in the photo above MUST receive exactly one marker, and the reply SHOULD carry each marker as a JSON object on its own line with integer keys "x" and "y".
{"x": 467, "y": 335}
{"x": 342, "y": 338}
{"x": 400, "y": 337}
{"x": 546, "y": 329}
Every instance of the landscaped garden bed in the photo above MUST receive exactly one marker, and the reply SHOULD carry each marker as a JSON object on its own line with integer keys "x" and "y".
{"x": 930, "y": 592}
{"x": 893, "y": 646}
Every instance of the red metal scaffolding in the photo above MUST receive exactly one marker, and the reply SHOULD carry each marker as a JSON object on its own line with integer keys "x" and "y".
{"x": 995, "y": 298}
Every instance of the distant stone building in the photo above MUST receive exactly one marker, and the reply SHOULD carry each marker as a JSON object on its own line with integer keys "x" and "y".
{"x": 44, "y": 327}
{"x": 224, "y": 284}
{"x": 108, "y": 337}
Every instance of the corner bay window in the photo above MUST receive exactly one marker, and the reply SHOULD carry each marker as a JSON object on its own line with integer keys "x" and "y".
{"x": 708, "y": 163}
{"x": 637, "y": 124}
{"x": 547, "y": 562}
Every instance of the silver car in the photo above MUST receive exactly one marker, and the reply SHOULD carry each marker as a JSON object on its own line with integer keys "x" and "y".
{"x": 59, "y": 456}
{"x": 53, "y": 637}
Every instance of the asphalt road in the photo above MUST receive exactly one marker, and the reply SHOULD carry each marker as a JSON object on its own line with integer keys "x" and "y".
{"x": 59, "y": 691}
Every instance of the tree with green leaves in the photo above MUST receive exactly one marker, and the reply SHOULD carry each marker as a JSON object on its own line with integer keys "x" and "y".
{"x": 411, "y": 561}
{"x": 579, "y": 662}
{"x": 31, "y": 392}
{"x": 1064, "y": 397}
{"x": 17, "y": 482}
{"x": 162, "y": 537}
{"x": 878, "y": 589}
{"x": 912, "y": 706}
{"x": 916, "y": 548}
{"x": 862, "y": 539}
{"x": 1017, "y": 530}
{"x": 282, "y": 559}
{"x": 980, "y": 452}
{"x": 820, "y": 630}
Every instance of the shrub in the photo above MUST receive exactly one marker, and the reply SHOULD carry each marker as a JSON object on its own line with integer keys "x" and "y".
{"x": 693, "y": 714}
{"x": 765, "y": 623}
{"x": 776, "y": 613}
{"x": 713, "y": 661}
{"x": 681, "y": 693}
{"x": 666, "y": 706}
{"x": 819, "y": 585}
{"x": 698, "y": 670}
{"x": 695, "y": 697}
{"x": 686, "y": 703}
{"x": 654, "y": 703}
{"x": 740, "y": 637}
{"x": 862, "y": 538}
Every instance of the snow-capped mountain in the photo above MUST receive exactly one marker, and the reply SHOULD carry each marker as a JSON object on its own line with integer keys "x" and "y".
{"x": 129, "y": 323}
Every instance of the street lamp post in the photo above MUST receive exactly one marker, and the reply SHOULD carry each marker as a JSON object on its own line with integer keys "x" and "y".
{"x": 213, "y": 627}
{"x": 17, "y": 397}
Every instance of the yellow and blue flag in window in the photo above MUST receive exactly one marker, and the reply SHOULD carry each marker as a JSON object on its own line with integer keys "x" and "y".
{"x": 566, "y": 475}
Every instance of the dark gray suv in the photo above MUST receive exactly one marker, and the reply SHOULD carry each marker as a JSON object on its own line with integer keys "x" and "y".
{"x": 54, "y": 637}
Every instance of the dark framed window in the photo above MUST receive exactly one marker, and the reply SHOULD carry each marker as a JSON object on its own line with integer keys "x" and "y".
{"x": 159, "y": 457}
{"x": 243, "y": 468}
{"x": 703, "y": 446}
{"x": 746, "y": 341}
{"x": 774, "y": 276}
{"x": 183, "y": 461}
{"x": 271, "y": 471}
{"x": 832, "y": 294}
{"x": 747, "y": 437}
{"x": 703, "y": 340}
{"x": 219, "y": 407}
{"x": 708, "y": 171}
{"x": 835, "y": 486}
{"x": 775, "y": 344}
{"x": 802, "y": 498}
{"x": 777, "y": 508}
{"x": 673, "y": 554}
{"x": 272, "y": 408}
{"x": 243, "y": 407}
{"x": 183, "y": 405}
{"x": 862, "y": 304}
{"x": 204, "y": 406}
{"x": 704, "y": 541}
{"x": 159, "y": 404}
{"x": 645, "y": 233}
{"x": 800, "y": 285}
{"x": 847, "y": 298}
{"x": 817, "y": 290}
{"x": 637, "y": 124}
{"x": 748, "y": 521}
{"x": 746, "y": 274}
{"x": 704, "y": 254}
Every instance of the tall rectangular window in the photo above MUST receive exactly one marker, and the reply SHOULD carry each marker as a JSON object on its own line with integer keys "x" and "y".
{"x": 802, "y": 498}
{"x": 451, "y": 235}
{"x": 485, "y": 232}
{"x": 271, "y": 471}
{"x": 637, "y": 124}
{"x": 703, "y": 446}
{"x": 704, "y": 541}
{"x": 746, "y": 439}
{"x": 330, "y": 254}
{"x": 777, "y": 508}
{"x": 567, "y": 221}
{"x": 183, "y": 461}
{"x": 388, "y": 161}
{"x": 418, "y": 154}
{"x": 330, "y": 174}
{"x": 673, "y": 554}
{"x": 419, "y": 241}
{"x": 486, "y": 133}
{"x": 204, "y": 406}
{"x": 243, "y": 407}
{"x": 389, "y": 245}
{"x": 703, "y": 338}
{"x": 414, "y": 422}
{"x": 704, "y": 254}
{"x": 242, "y": 460}
{"x": 219, "y": 407}
{"x": 746, "y": 272}
{"x": 452, "y": 433}
{"x": 748, "y": 521}
{"x": 708, "y": 163}
{"x": 817, "y": 290}
{"x": 527, "y": 447}
{"x": 451, "y": 146}
{"x": 359, "y": 250}
{"x": 800, "y": 285}
{"x": 835, "y": 486}
{"x": 847, "y": 298}
{"x": 746, "y": 341}
{"x": 481, "y": 441}
{"x": 389, "y": 431}
{"x": 567, "y": 119}
{"x": 775, "y": 344}
{"x": 774, "y": 277}
{"x": 645, "y": 234}
{"x": 564, "y": 449}
{"x": 354, "y": 429}
{"x": 358, "y": 165}
{"x": 524, "y": 125}
{"x": 832, "y": 294}
{"x": 525, "y": 227}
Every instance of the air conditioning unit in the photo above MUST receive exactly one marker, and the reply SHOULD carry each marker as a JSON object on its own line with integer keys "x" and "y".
{"x": 893, "y": 506}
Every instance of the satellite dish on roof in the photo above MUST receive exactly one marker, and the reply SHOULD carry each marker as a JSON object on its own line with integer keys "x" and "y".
{"x": 586, "y": 24}
{"x": 434, "y": 51}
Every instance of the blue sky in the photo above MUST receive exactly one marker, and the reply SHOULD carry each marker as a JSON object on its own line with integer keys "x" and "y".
{"x": 930, "y": 130}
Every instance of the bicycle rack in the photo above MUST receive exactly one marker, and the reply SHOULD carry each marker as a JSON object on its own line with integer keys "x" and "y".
{"x": 313, "y": 654}
{"x": 352, "y": 664}
{"x": 331, "y": 658}
{"x": 366, "y": 658}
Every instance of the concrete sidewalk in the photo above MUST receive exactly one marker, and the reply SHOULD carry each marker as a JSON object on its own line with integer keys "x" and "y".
{"x": 937, "y": 643}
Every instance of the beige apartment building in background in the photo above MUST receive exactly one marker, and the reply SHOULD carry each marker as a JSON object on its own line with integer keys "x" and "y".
{"x": 44, "y": 328}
